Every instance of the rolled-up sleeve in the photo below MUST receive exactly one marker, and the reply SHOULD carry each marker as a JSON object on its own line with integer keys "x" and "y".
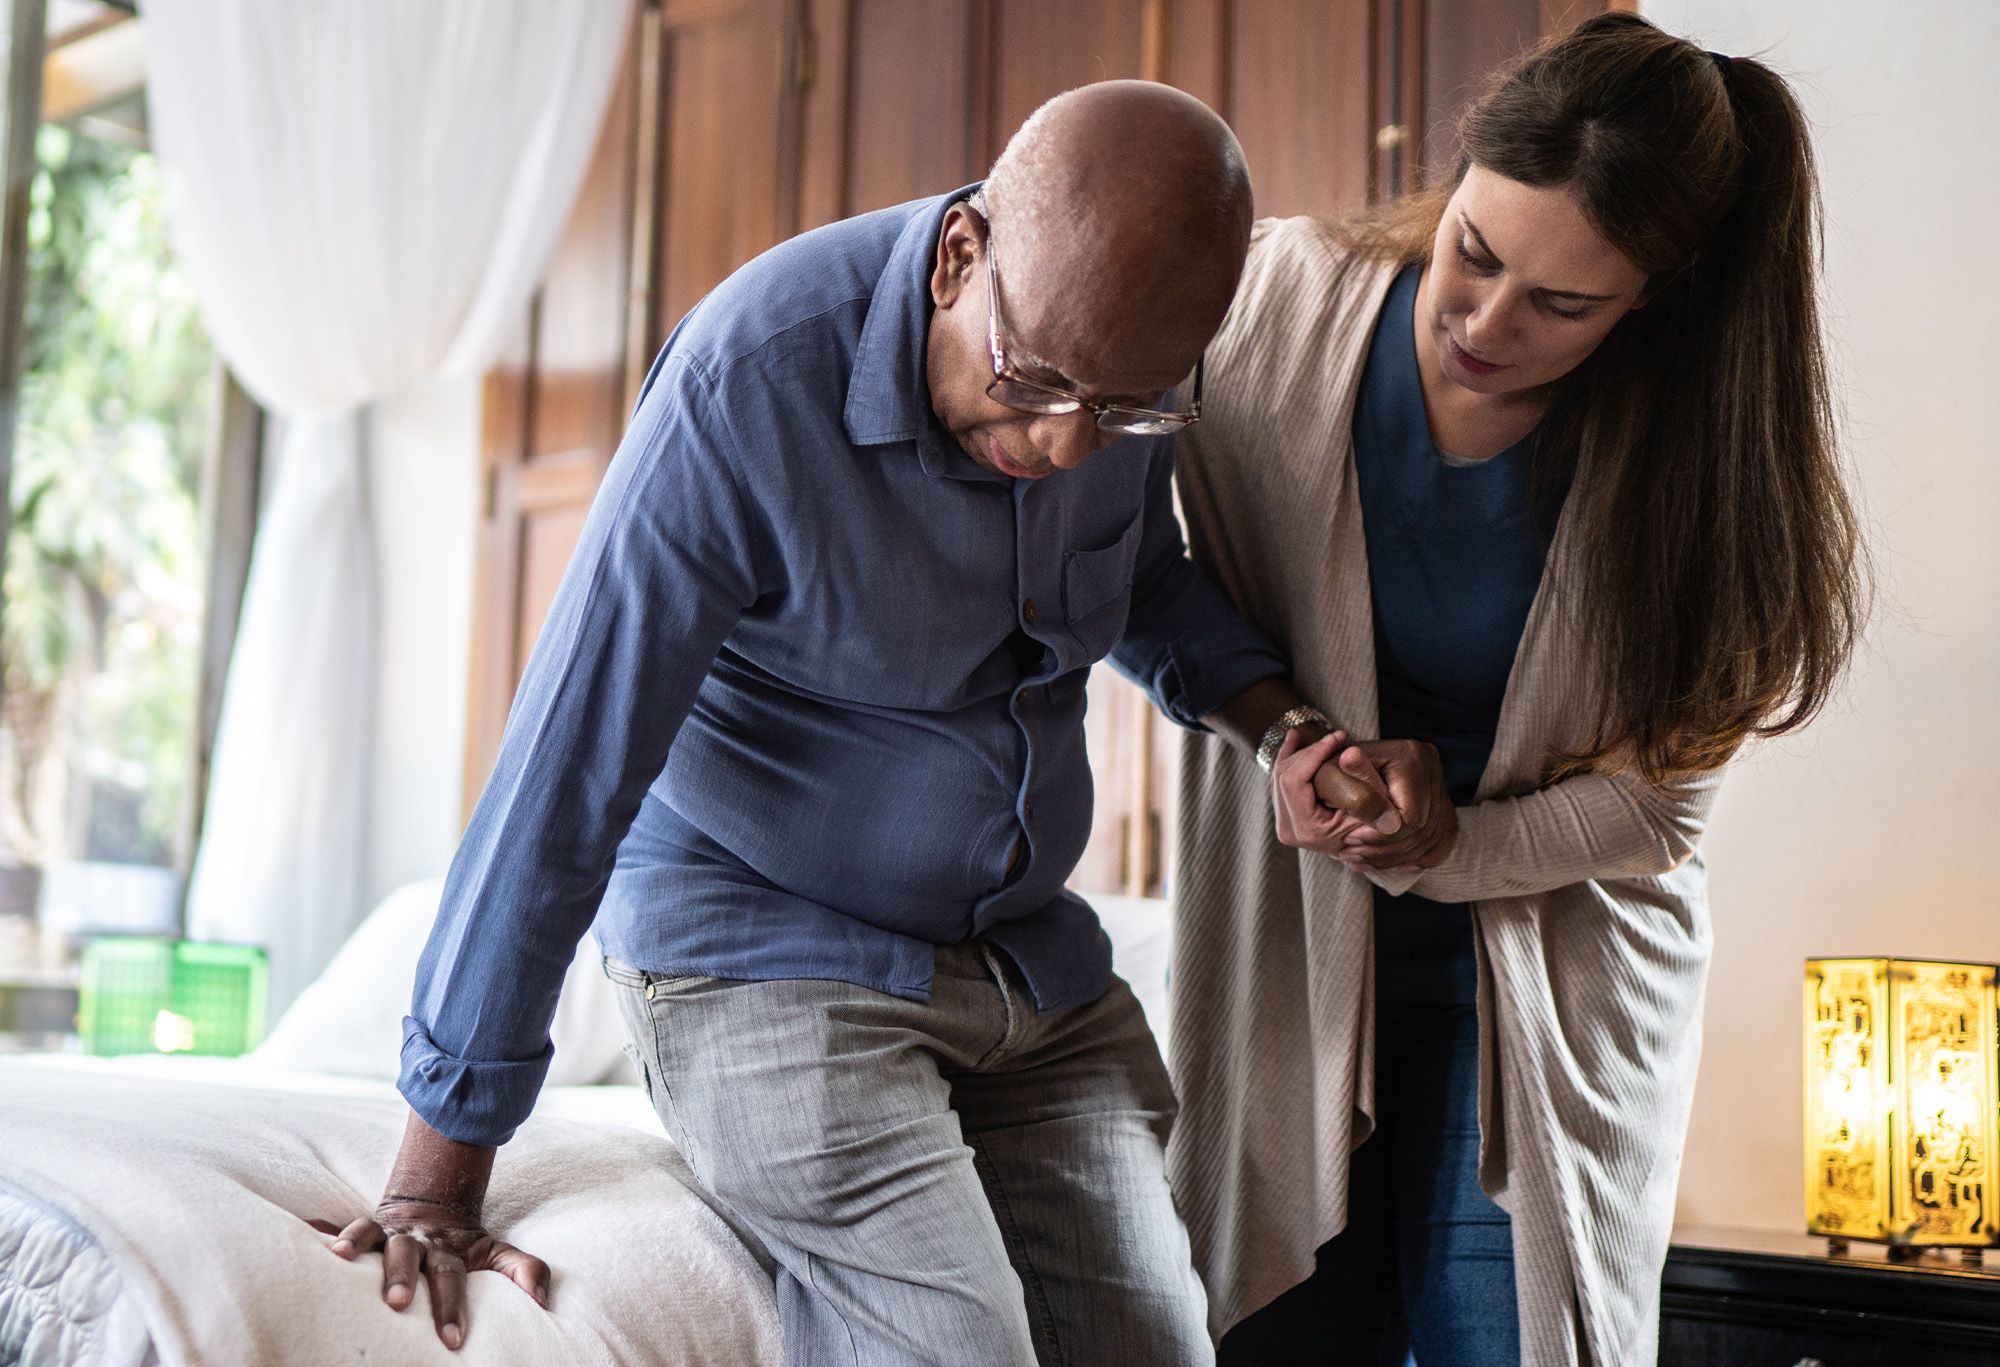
{"x": 1184, "y": 644}
{"x": 671, "y": 556}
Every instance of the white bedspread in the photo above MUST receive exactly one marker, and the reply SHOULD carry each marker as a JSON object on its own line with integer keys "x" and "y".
{"x": 195, "y": 1180}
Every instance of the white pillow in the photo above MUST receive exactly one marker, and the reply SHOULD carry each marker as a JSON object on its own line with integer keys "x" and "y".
{"x": 350, "y": 1020}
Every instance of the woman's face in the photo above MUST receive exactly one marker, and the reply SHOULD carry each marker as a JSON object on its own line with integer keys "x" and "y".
{"x": 1521, "y": 288}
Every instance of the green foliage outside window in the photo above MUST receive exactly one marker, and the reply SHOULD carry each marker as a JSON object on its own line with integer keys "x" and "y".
{"x": 99, "y": 641}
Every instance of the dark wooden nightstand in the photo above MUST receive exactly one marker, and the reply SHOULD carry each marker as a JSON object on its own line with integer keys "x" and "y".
{"x": 1746, "y": 1298}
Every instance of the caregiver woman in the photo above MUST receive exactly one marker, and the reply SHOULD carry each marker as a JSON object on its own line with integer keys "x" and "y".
{"x": 1535, "y": 476}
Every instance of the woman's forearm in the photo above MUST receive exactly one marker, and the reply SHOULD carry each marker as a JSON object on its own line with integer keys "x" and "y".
{"x": 1587, "y": 827}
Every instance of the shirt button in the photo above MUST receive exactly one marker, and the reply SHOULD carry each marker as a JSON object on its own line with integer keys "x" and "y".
{"x": 1028, "y": 808}
{"x": 1028, "y": 612}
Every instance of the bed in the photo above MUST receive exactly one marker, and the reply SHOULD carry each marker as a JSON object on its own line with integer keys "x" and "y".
{"x": 152, "y": 1210}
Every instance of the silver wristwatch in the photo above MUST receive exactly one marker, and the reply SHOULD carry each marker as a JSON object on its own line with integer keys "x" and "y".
{"x": 1267, "y": 748}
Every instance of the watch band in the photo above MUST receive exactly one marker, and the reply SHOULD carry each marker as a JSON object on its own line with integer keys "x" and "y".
{"x": 1274, "y": 737}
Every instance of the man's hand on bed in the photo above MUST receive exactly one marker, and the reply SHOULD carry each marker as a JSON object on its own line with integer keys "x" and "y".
{"x": 441, "y": 1246}
{"x": 429, "y": 1226}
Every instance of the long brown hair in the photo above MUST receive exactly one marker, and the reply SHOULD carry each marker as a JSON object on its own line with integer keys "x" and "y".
{"x": 1720, "y": 574}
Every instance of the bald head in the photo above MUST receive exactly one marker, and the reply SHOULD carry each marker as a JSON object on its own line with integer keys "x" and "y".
{"x": 1111, "y": 238}
{"x": 1120, "y": 209}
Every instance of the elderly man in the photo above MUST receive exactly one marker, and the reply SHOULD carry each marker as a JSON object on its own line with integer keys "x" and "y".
{"x": 804, "y": 735}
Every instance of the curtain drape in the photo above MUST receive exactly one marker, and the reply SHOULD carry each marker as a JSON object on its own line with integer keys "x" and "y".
{"x": 364, "y": 193}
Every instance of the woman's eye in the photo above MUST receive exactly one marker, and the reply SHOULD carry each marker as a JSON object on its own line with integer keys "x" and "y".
{"x": 1561, "y": 312}
{"x": 1478, "y": 265}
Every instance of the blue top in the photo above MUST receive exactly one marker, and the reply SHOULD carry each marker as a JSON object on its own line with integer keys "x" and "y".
{"x": 810, "y": 676}
{"x": 1454, "y": 560}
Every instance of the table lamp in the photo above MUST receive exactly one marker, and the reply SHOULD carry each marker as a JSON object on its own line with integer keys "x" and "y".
{"x": 1902, "y": 1113}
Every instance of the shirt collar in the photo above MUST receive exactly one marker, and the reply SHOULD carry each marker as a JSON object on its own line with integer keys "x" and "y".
{"x": 888, "y": 397}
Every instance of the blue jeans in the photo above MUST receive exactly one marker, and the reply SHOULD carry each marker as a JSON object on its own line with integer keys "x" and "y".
{"x": 1425, "y": 1267}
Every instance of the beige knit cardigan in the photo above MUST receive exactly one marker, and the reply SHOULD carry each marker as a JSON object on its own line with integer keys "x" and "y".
{"x": 1587, "y": 893}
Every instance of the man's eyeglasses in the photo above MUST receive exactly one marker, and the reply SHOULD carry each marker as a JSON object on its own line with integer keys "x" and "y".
{"x": 1017, "y": 391}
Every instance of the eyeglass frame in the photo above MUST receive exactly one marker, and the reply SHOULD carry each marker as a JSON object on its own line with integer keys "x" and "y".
{"x": 1005, "y": 372}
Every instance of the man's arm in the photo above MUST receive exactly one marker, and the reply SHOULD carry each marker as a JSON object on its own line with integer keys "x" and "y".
{"x": 1208, "y": 669}
{"x": 671, "y": 556}
{"x": 1356, "y": 792}
{"x": 667, "y": 563}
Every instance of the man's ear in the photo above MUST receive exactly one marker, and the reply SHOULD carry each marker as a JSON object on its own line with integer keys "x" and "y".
{"x": 958, "y": 256}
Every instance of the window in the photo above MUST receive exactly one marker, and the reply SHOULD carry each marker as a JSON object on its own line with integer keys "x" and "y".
{"x": 108, "y": 600}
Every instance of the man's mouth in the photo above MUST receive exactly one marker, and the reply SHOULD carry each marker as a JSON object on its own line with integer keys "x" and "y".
{"x": 1011, "y": 469}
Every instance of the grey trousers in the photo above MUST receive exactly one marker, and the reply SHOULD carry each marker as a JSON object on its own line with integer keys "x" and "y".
{"x": 959, "y": 1181}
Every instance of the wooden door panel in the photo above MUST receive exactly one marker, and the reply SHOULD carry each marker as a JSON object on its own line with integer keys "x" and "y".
{"x": 729, "y": 136}
{"x": 548, "y": 537}
{"x": 910, "y": 117}
{"x": 1464, "y": 40}
{"x": 1298, "y": 76}
{"x": 553, "y": 413}
{"x": 1036, "y": 49}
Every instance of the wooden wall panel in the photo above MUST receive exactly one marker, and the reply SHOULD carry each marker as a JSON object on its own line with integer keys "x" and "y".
{"x": 1300, "y": 82}
{"x": 1463, "y": 41}
{"x": 1192, "y": 50}
{"x": 554, "y": 410}
{"x": 1036, "y": 49}
{"x": 728, "y": 179}
{"x": 910, "y": 124}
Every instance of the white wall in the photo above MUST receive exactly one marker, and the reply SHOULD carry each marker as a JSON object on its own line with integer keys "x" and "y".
{"x": 1877, "y": 832}
{"x": 423, "y": 487}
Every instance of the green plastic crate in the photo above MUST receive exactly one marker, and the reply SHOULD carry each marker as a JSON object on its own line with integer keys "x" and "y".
{"x": 148, "y": 994}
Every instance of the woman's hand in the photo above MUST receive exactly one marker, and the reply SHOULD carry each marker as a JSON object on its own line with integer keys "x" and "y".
{"x": 1415, "y": 778}
{"x": 441, "y": 1245}
{"x": 1312, "y": 784}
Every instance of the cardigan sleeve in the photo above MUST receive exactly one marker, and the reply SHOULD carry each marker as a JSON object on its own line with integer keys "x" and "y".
{"x": 1590, "y": 826}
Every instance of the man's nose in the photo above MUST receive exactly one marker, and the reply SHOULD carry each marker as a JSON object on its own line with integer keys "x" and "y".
{"x": 1069, "y": 439}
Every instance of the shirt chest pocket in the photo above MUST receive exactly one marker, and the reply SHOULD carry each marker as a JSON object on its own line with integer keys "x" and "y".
{"x": 1097, "y": 591}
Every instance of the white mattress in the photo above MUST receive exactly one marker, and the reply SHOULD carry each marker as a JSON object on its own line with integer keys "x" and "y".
{"x": 62, "y": 1301}
{"x": 163, "y": 1145}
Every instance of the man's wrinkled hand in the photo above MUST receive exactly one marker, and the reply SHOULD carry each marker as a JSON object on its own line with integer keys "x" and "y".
{"x": 1319, "y": 802}
{"x": 441, "y": 1246}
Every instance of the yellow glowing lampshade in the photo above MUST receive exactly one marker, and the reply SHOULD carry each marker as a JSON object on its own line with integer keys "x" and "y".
{"x": 1902, "y": 1101}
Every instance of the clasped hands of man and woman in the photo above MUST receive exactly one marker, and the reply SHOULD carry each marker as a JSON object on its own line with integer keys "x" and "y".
{"x": 1317, "y": 789}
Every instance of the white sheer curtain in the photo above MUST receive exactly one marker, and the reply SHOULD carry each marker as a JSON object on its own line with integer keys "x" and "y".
{"x": 364, "y": 193}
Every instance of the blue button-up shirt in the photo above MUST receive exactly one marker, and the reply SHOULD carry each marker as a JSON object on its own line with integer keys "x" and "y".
{"x": 811, "y": 677}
